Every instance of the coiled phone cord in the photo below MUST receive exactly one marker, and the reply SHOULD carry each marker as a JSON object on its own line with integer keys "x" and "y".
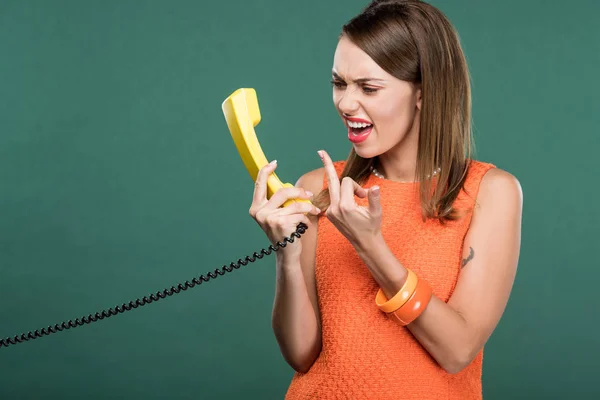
{"x": 300, "y": 229}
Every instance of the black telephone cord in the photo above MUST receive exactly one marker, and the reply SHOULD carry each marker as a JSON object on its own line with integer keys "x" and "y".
{"x": 300, "y": 229}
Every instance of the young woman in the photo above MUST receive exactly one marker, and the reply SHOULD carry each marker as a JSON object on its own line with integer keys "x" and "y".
{"x": 408, "y": 262}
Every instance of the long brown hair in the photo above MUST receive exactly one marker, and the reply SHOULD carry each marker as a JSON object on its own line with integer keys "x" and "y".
{"x": 415, "y": 42}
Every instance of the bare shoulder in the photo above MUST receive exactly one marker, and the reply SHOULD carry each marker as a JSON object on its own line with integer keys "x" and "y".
{"x": 500, "y": 191}
{"x": 500, "y": 187}
{"x": 312, "y": 180}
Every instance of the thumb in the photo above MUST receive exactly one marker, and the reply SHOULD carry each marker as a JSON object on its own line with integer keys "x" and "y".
{"x": 374, "y": 205}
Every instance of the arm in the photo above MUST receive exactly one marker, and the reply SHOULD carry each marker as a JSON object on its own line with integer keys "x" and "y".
{"x": 454, "y": 332}
{"x": 296, "y": 319}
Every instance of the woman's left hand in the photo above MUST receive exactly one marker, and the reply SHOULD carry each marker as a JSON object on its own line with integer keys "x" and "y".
{"x": 360, "y": 225}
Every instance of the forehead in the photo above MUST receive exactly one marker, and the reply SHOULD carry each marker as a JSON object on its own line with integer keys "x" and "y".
{"x": 350, "y": 61}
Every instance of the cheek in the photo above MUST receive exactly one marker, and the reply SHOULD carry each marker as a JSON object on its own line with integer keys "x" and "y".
{"x": 392, "y": 115}
{"x": 391, "y": 112}
{"x": 336, "y": 98}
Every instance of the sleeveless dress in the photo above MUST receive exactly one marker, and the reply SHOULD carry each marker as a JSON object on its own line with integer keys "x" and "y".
{"x": 364, "y": 354}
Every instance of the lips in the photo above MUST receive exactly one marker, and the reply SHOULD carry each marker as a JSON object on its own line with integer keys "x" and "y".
{"x": 360, "y": 136}
{"x": 358, "y": 120}
{"x": 357, "y": 130}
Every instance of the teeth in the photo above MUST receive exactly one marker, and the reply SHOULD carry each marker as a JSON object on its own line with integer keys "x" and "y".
{"x": 357, "y": 124}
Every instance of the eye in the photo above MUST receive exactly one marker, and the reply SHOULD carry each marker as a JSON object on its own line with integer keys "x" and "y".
{"x": 368, "y": 90}
{"x": 337, "y": 84}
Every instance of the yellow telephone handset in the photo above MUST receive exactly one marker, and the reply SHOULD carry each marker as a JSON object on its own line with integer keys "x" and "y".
{"x": 242, "y": 115}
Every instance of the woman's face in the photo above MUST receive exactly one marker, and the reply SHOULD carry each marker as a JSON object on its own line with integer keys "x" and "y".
{"x": 378, "y": 109}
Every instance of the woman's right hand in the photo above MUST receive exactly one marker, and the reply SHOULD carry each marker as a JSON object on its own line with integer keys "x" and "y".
{"x": 276, "y": 221}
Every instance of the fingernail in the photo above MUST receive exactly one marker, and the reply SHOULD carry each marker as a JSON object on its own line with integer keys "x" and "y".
{"x": 308, "y": 192}
{"x": 320, "y": 152}
{"x": 375, "y": 189}
{"x": 273, "y": 162}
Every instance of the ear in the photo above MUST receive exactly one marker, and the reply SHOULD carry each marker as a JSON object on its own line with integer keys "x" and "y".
{"x": 418, "y": 96}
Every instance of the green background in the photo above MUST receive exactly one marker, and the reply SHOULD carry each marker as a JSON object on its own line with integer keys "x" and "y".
{"x": 119, "y": 178}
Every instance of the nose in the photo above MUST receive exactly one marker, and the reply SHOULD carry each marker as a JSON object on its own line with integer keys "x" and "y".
{"x": 347, "y": 101}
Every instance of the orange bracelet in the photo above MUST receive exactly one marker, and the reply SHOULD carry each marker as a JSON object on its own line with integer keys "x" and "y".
{"x": 400, "y": 298}
{"x": 414, "y": 306}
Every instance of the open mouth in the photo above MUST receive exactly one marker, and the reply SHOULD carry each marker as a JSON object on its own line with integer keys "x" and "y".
{"x": 361, "y": 131}
{"x": 358, "y": 128}
{"x": 358, "y": 131}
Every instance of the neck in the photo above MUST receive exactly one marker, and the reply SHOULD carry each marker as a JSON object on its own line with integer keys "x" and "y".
{"x": 400, "y": 162}
{"x": 400, "y": 170}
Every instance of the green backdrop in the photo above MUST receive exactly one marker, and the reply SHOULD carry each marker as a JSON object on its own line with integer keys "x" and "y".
{"x": 119, "y": 178}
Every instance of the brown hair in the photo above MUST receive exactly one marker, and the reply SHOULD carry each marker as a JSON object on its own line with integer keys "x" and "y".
{"x": 415, "y": 42}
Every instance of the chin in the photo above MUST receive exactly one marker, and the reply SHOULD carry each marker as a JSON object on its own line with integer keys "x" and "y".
{"x": 365, "y": 151}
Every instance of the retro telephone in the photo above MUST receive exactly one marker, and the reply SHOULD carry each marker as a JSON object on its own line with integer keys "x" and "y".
{"x": 242, "y": 114}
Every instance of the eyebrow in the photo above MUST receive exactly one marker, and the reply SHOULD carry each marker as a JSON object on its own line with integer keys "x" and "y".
{"x": 360, "y": 80}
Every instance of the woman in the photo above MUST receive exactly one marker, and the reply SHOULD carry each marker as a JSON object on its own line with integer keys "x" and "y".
{"x": 412, "y": 246}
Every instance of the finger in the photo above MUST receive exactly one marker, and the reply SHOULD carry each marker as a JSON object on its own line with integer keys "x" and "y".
{"x": 357, "y": 189}
{"x": 285, "y": 194}
{"x": 348, "y": 189}
{"x": 293, "y": 220}
{"x": 374, "y": 204}
{"x": 260, "y": 186}
{"x": 333, "y": 180}
{"x": 299, "y": 208}
{"x": 301, "y": 218}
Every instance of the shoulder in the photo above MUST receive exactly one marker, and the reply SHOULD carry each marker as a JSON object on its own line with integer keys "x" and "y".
{"x": 486, "y": 179}
{"x": 501, "y": 190}
{"x": 314, "y": 180}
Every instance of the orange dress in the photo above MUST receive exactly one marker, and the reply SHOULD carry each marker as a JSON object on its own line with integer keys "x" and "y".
{"x": 366, "y": 356}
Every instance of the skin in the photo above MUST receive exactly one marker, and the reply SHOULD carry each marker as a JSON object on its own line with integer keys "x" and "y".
{"x": 391, "y": 105}
{"x": 453, "y": 332}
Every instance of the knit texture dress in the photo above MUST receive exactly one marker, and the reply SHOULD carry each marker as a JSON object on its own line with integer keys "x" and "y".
{"x": 364, "y": 354}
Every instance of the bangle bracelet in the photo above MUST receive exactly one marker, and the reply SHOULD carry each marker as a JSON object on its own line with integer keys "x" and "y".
{"x": 414, "y": 306}
{"x": 400, "y": 298}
